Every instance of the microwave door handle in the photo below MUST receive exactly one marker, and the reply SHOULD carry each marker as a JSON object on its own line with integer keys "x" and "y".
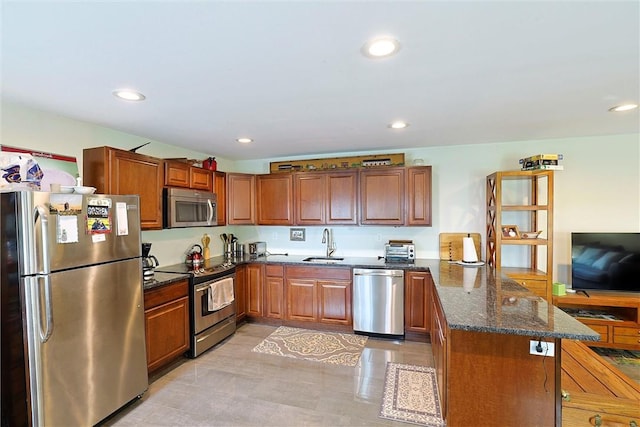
{"x": 210, "y": 205}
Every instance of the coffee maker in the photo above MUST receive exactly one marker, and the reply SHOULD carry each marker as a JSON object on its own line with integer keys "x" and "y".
{"x": 149, "y": 262}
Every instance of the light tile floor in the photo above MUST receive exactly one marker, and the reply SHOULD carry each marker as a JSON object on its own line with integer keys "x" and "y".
{"x": 232, "y": 386}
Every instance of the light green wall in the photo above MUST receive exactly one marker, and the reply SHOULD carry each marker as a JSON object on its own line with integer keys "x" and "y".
{"x": 599, "y": 190}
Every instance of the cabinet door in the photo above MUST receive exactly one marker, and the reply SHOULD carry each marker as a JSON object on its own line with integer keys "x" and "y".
{"x": 417, "y": 309}
{"x": 220, "y": 188}
{"x": 310, "y": 198}
{"x": 200, "y": 179}
{"x": 342, "y": 198}
{"x": 241, "y": 199}
{"x": 275, "y": 199}
{"x": 334, "y": 301}
{"x": 142, "y": 175}
{"x": 167, "y": 329}
{"x": 254, "y": 290}
{"x": 240, "y": 292}
{"x": 439, "y": 349}
{"x": 301, "y": 299}
{"x": 176, "y": 174}
{"x": 274, "y": 297}
{"x": 382, "y": 196}
{"x": 418, "y": 194}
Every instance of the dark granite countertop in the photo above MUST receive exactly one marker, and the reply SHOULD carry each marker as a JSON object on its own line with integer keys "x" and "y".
{"x": 161, "y": 279}
{"x": 472, "y": 298}
{"x": 476, "y": 299}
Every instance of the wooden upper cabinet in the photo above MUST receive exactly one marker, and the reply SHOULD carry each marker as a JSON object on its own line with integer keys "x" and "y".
{"x": 220, "y": 188}
{"x": 115, "y": 171}
{"x": 180, "y": 174}
{"x": 241, "y": 196}
{"x": 200, "y": 179}
{"x": 310, "y": 190}
{"x": 326, "y": 198}
{"x": 418, "y": 195}
{"x": 342, "y": 198}
{"x": 275, "y": 199}
{"x": 382, "y": 198}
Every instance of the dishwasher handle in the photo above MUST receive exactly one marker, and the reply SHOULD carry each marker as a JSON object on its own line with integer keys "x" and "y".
{"x": 377, "y": 272}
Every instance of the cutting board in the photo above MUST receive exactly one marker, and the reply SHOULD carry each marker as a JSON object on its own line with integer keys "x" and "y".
{"x": 451, "y": 245}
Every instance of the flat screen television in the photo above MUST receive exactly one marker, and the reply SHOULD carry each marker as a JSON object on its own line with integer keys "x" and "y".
{"x": 605, "y": 261}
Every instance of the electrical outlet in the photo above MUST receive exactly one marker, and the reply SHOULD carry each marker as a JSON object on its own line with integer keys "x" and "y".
{"x": 274, "y": 236}
{"x": 378, "y": 237}
{"x": 548, "y": 348}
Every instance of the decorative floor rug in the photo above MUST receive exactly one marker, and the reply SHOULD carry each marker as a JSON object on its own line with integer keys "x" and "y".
{"x": 326, "y": 347}
{"x": 411, "y": 395}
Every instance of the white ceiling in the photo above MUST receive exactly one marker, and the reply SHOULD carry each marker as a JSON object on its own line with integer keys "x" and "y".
{"x": 290, "y": 74}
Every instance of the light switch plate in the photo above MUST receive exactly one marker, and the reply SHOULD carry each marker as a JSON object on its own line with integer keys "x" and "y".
{"x": 548, "y": 348}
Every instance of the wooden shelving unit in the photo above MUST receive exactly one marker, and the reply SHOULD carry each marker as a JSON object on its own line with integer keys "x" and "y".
{"x": 525, "y": 199}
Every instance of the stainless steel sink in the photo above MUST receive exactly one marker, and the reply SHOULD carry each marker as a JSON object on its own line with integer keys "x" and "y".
{"x": 323, "y": 259}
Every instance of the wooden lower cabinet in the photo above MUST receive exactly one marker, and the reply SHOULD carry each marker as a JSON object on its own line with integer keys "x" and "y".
{"x": 490, "y": 379}
{"x": 255, "y": 273}
{"x": 166, "y": 318}
{"x": 334, "y": 301}
{"x": 240, "y": 292}
{"x": 417, "y": 309}
{"x": 274, "y": 292}
{"x": 438, "y": 333}
{"x": 302, "y": 299}
{"x": 317, "y": 294}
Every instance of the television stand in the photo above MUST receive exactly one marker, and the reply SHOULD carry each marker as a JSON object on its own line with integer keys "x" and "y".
{"x": 614, "y": 315}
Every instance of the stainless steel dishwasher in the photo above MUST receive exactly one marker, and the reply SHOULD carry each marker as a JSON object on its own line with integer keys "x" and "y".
{"x": 378, "y": 302}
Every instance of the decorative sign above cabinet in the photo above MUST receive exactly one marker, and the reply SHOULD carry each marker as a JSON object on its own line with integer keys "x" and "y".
{"x": 333, "y": 163}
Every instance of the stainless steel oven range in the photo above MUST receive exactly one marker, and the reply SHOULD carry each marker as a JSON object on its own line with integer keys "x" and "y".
{"x": 212, "y": 307}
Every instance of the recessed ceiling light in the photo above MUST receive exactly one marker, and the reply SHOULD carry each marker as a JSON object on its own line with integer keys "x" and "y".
{"x": 380, "y": 47}
{"x": 623, "y": 107}
{"x": 398, "y": 125}
{"x": 128, "y": 95}
{"x": 244, "y": 140}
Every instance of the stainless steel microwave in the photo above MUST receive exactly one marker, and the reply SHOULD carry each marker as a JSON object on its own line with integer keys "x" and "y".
{"x": 188, "y": 208}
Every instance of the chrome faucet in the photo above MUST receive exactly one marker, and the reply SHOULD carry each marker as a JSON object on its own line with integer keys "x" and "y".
{"x": 327, "y": 238}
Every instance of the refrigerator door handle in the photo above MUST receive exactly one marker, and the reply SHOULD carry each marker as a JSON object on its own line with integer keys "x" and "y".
{"x": 48, "y": 310}
{"x": 42, "y": 212}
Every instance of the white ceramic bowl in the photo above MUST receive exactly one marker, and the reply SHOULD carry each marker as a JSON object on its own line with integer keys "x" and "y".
{"x": 84, "y": 190}
{"x": 66, "y": 188}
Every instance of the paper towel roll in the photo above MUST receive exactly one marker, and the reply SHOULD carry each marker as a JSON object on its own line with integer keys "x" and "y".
{"x": 469, "y": 278}
{"x": 469, "y": 250}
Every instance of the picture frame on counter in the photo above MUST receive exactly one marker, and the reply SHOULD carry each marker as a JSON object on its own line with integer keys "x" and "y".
{"x": 510, "y": 232}
{"x": 297, "y": 234}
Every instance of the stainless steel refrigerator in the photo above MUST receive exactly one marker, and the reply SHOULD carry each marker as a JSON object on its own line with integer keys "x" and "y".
{"x": 73, "y": 262}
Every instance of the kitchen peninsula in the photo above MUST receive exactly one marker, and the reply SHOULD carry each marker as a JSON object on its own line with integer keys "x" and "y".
{"x": 481, "y": 329}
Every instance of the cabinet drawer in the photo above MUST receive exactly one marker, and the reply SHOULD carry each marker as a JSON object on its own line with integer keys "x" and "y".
{"x": 627, "y": 331}
{"x": 274, "y": 270}
{"x": 161, "y": 295}
{"x": 603, "y": 330}
{"x": 626, "y": 339}
{"x": 319, "y": 273}
{"x": 585, "y": 417}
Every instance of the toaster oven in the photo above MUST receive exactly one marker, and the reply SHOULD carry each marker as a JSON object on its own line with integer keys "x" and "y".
{"x": 399, "y": 252}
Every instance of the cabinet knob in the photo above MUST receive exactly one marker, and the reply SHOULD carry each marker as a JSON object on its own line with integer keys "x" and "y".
{"x": 632, "y": 423}
{"x": 596, "y": 420}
